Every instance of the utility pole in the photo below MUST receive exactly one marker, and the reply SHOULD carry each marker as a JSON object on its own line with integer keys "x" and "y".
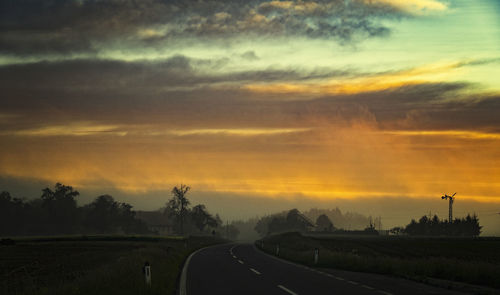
{"x": 451, "y": 198}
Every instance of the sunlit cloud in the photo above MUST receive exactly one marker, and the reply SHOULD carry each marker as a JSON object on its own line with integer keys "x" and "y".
{"x": 324, "y": 163}
{"x": 446, "y": 133}
{"x": 442, "y": 71}
{"x": 80, "y": 129}
{"x": 415, "y": 6}
{"x": 238, "y": 131}
{"x": 91, "y": 129}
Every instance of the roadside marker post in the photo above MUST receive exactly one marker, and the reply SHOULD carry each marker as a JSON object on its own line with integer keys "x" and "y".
{"x": 316, "y": 255}
{"x": 146, "y": 269}
{"x": 278, "y": 250}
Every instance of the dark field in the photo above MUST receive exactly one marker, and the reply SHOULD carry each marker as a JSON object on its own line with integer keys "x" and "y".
{"x": 94, "y": 265}
{"x": 473, "y": 261}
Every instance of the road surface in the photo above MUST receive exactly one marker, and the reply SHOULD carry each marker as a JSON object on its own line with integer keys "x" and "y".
{"x": 242, "y": 269}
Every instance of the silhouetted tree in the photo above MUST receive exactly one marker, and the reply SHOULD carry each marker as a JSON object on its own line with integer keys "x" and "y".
{"x": 202, "y": 218}
{"x": 128, "y": 222}
{"x": 323, "y": 223}
{"x": 468, "y": 226}
{"x": 178, "y": 206}
{"x": 262, "y": 225}
{"x": 102, "y": 215}
{"x": 63, "y": 214}
{"x": 294, "y": 221}
{"x": 277, "y": 224}
{"x": 55, "y": 212}
{"x": 12, "y": 214}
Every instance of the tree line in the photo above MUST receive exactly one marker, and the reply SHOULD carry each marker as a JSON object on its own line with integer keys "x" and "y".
{"x": 294, "y": 220}
{"x": 56, "y": 212}
{"x": 460, "y": 227}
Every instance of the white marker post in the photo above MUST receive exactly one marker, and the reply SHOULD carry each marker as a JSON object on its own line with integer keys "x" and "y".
{"x": 278, "y": 250}
{"x": 146, "y": 269}
{"x": 316, "y": 255}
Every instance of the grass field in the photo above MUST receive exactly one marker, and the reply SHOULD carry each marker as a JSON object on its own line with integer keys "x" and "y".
{"x": 473, "y": 261}
{"x": 94, "y": 265}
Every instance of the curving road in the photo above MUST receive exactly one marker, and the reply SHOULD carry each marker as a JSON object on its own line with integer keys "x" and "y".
{"x": 242, "y": 269}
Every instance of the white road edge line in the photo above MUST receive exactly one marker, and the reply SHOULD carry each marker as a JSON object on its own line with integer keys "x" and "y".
{"x": 241, "y": 261}
{"x": 296, "y": 264}
{"x": 287, "y": 290}
{"x": 323, "y": 273}
{"x": 255, "y": 271}
{"x": 183, "y": 280}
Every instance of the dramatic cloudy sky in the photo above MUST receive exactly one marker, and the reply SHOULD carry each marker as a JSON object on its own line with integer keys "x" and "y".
{"x": 258, "y": 105}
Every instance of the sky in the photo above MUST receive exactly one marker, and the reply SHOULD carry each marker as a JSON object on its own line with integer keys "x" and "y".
{"x": 375, "y": 106}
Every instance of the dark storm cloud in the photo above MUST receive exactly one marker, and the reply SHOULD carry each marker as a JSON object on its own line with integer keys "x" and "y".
{"x": 74, "y": 26}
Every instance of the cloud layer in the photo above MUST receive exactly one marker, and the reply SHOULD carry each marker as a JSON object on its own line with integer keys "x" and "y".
{"x": 266, "y": 98}
{"x": 39, "y": 27}
{"x": 183, "y": 92}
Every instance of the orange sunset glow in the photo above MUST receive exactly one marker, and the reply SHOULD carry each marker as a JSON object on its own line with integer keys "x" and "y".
{"x": 283, "y": 103}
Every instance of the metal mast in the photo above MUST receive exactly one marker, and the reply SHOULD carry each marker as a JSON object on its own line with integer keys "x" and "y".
{"x": 451, "y": 198}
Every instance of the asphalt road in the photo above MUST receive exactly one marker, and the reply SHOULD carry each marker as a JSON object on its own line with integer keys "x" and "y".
{"x": 243, "y": 269}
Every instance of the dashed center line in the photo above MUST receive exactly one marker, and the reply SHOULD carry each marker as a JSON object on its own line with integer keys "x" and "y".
{"x": 287, "y": 290}
{"x": 234, "y": 257}
{"x": 317, "y": 271}
{"x": 255, "y": 271}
